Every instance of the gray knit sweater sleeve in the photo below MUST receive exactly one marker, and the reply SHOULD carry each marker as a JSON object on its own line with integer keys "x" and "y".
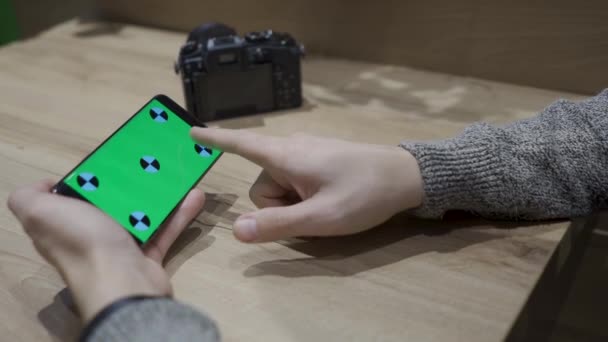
{"x": 554, "y": 165}
{"x": 154, "y": 320}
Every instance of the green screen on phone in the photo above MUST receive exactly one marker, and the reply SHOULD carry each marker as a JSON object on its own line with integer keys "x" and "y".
{"x": 140, "y": 174}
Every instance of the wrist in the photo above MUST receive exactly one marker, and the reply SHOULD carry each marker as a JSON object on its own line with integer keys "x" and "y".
{"x": 100, "y": 279}
{"x": 408, "y": 180}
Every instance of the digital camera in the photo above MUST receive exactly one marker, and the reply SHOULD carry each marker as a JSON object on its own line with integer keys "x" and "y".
{"x": 225, "y": 75}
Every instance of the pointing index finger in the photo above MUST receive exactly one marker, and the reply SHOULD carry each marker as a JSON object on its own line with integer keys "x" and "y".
{"x": 255, "y": 147}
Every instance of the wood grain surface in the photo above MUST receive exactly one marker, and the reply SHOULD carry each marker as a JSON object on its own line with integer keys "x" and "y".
{"x": 410, "y": 280}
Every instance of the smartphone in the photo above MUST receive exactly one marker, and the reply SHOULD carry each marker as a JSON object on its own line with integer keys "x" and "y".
{"x": 141, "y": 173}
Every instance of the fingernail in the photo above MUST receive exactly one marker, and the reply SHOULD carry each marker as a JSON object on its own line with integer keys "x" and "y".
{"x": 246, "y": 229}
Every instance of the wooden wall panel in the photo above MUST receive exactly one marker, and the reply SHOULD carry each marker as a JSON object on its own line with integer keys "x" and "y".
{"x": 430, "y": 34}
{"x": 34, "y": 16}
{"x": 302, "y": 18}
{"x": 551, "y": 44}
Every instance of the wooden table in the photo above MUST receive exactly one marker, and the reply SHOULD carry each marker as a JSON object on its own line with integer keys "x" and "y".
{"x": 410, "y": 280}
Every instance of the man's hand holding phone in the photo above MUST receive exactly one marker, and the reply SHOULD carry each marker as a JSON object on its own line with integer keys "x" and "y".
{"x": 133, "y": 203}
{"x": 97, "y": 257}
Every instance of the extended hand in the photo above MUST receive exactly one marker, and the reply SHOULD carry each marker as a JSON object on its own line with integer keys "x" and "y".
{"x": 313, "y": 186}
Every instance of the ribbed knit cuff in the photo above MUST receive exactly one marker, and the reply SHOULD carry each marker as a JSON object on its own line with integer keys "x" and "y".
{"x": 458, "y": 174}
{"x": 107, "y": 312}
{"x": 151, "y": 319}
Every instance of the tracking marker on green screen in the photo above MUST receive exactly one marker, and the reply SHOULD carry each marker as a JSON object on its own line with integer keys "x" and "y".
{"x": 140, "y": 173}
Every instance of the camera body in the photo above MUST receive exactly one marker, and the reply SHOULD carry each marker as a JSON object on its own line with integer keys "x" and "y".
{"x": 225, "y": 75}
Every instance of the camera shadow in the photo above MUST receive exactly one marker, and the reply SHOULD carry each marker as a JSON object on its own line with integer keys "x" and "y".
{"x": 258, "y": 120}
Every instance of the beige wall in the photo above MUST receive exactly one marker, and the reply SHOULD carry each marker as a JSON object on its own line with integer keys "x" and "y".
{"x": 545, "y": 43}
{"x": 554, "y": 44}
{"x": 34, "y": 16}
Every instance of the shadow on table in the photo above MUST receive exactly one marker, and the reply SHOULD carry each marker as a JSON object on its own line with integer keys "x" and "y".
{"x": 188, "y": 244}
{"x": 258, "y": 120}
{"x": 92, "y": 29}
{"x": 217, "y": 210}
{"x": 196, "y": 239}
{"x": 60, "y": 318}
{"x": 387, "y": 244}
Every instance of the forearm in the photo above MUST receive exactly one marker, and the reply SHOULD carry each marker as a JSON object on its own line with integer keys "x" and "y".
{"x": 554, "y": 165}
{"x": 97, "y": 280}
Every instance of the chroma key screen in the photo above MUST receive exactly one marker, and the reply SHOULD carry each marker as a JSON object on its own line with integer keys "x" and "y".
{"x": 143, "y": 170}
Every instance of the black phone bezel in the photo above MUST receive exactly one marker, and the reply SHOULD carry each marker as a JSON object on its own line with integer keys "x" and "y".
{"x": 63, "y": 189}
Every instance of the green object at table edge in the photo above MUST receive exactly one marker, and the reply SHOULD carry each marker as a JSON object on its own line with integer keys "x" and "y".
{"x": 9, "y": 29}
